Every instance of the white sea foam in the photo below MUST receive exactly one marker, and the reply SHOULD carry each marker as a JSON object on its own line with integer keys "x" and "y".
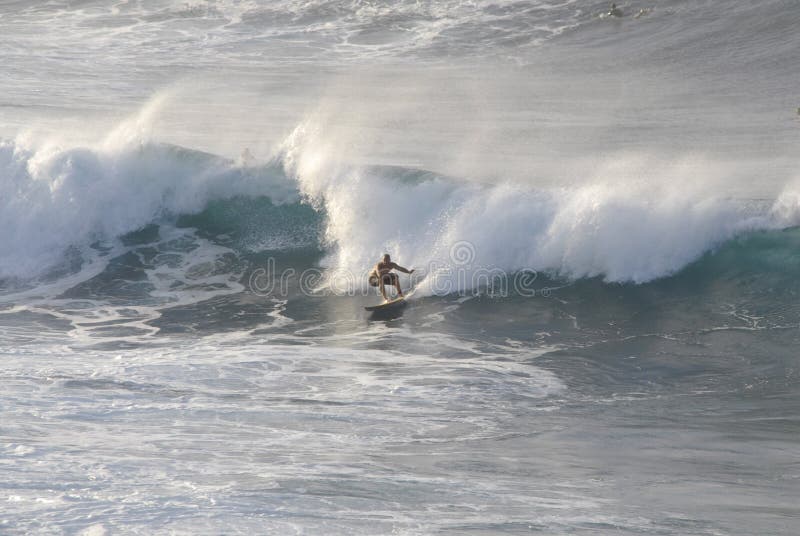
{"x": 200, "y": 432}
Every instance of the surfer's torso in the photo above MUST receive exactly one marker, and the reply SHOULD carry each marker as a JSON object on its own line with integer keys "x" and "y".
{"x": 383, "y": 268}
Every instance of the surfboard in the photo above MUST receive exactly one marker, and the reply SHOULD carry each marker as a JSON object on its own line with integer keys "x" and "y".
{"x": 391, "y": 305}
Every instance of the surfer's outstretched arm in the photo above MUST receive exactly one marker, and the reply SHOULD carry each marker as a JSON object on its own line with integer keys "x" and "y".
{"x": 401, "y": 269}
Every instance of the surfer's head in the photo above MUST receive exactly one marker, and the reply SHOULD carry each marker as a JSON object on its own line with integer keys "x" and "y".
{"x": 386, "y": 257}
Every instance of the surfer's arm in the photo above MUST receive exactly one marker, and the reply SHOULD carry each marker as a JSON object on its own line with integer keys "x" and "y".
{"x": 401, "y": 269}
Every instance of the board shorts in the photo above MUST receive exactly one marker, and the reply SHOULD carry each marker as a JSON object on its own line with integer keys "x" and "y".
{"x": 388, "y": 279}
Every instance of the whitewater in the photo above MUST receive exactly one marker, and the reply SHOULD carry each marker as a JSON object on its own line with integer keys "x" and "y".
{"x": 603, "y": 215}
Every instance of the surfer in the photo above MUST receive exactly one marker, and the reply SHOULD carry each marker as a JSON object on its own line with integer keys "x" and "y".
{"x": 247, "y": 159}
{"x": 614, "y": 11}
{"x": 382, "y": 275}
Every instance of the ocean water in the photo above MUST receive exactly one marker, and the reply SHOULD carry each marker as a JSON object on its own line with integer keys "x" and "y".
{"x": 603, "y": 215}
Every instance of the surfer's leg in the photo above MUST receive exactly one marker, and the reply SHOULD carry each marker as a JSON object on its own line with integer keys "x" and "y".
{"x": 383, "y": 291}
{"x": 396, "y": 281}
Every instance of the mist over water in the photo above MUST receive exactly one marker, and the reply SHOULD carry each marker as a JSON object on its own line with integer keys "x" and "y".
{"x": 161, "y": 160}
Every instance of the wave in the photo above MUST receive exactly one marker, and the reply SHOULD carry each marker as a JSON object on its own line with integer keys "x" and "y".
{"x": 60, "y": 203}
{"x": 617, "y": 225}
{"x": 54, "y": 199}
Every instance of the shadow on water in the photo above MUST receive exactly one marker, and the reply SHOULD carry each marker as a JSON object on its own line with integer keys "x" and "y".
{"x": 388, "y": 313}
